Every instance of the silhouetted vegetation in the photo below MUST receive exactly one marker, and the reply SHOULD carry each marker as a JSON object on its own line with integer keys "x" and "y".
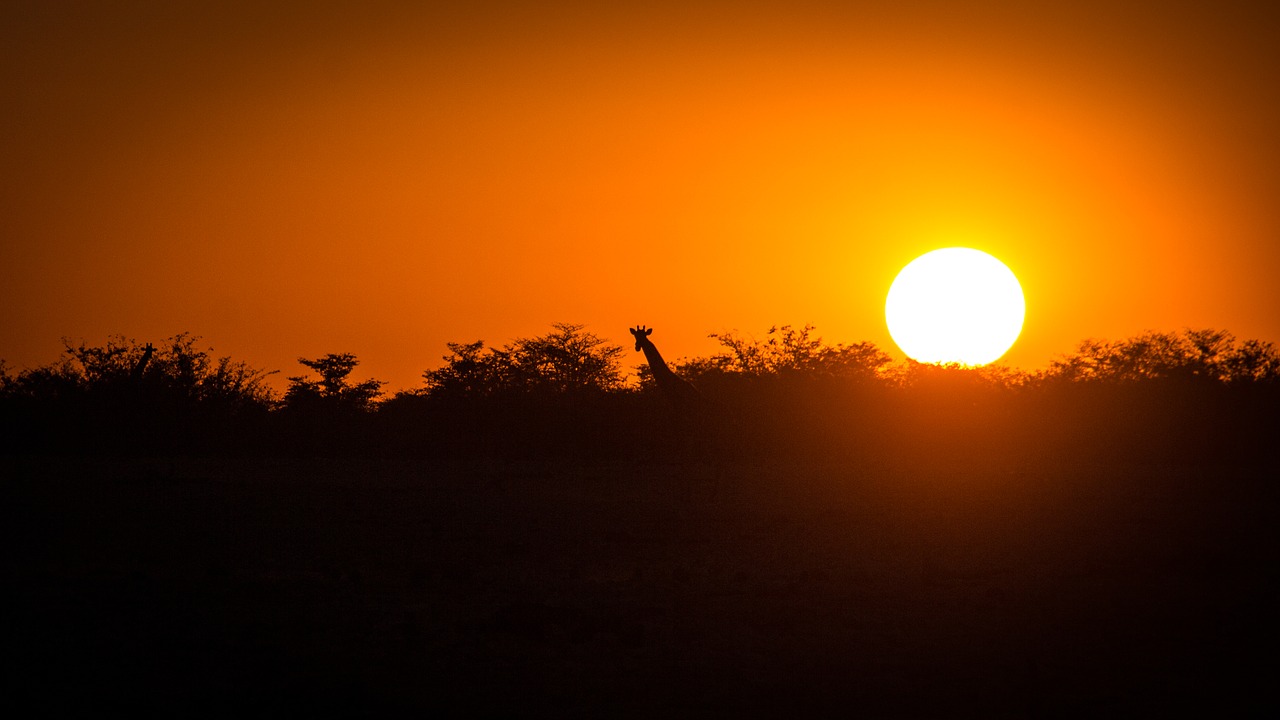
{"x": 824, "y": 532}
{"x": 568, "y": 360}
{"x": 1194, "y": 394}
{"x": 1193, "y": 355}
{"x": 332, "y": 392}
{"x": 788, "y": 352}
{"x": 124, "y": 397}
{"x": 329, "y": 415}
{"x": 556, "y": 394}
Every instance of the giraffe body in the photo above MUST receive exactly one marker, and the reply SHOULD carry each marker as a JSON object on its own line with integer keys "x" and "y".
{"x": 671, "y": 384}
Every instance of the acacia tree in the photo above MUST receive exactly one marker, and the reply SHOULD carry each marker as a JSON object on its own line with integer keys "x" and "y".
{"x": 175, "y": 371}
{"x": 333, "y": 390}
{"x": 567, "y": 360}
{"x": 470, "y": 371}
{"x": 179, "y": 369}
{"x": 788, "y": 351}
{"x": 1205, "y": 355}
{"x": 1253, "y": 361}
{"x": 124, "y": 396}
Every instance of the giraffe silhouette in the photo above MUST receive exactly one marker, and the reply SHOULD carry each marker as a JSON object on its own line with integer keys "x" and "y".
{"x": 693, "y": 429}
{"x": 141, "y": 366}
{"x": 679, "y": 390}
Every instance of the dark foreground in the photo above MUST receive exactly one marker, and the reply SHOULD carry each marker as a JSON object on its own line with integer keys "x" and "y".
{"x": 886, "y": 589}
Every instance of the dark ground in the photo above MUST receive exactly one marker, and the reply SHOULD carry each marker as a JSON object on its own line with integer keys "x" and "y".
{"x": 880, "y": 589}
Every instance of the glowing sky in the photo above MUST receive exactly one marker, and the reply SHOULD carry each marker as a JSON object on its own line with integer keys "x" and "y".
{"x": 382, "y": 179}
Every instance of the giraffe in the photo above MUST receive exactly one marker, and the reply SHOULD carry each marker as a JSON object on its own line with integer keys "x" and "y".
{"x": 691, "y": 431}
{"x": 672, "y": 385}
{"x": 139, "y": 367}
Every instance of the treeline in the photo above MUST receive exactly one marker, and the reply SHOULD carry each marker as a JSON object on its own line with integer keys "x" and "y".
{"x": 1197, "y": 395}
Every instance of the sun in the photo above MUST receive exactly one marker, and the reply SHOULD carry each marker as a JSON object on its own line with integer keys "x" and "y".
{"x": 955, "y": 305}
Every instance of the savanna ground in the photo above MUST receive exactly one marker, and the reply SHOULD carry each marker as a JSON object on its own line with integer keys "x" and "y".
{"x": 819, "y": 532}
{"x": 889, "y": 584}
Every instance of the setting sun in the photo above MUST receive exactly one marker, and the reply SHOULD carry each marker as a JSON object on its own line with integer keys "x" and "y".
{"x": 955, "y": 305}
{"x": 638, "y": 358}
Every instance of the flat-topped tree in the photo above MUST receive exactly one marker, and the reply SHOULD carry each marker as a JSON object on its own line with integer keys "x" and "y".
{"x": 333, "y": 390}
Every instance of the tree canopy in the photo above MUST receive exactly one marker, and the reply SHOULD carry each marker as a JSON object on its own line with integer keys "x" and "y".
{"x": 786, "y": 351}
{"x": 567, "y": 389}
{"x": 1204, "y": 355}
{"x": 333, "y": 390}
{"x": 175, "y": 371}
{"x": 569, "y": 359}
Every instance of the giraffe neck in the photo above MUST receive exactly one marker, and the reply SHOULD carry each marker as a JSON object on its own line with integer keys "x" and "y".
{"x": 661, "y": 373}
{"x": 141, "y": 365}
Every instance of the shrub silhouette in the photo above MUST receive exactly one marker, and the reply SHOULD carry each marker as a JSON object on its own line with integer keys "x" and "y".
{"x": 1193, "y": 396}
{"x": 470, "y": 371}
{"x": 567, "y": 360}
{"x": 176, "y": 371}
{"x": 105, "y": 398}
{"x": 558, "y": 393}
{"x": 1205, "y": 355}
{"x": 788, "y": 351}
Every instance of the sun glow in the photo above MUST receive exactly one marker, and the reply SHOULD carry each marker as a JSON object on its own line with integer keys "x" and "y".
{"x": 955, "y": 305}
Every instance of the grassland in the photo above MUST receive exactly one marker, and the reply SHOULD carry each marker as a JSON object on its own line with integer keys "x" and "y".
{"x": 881, "y": 586}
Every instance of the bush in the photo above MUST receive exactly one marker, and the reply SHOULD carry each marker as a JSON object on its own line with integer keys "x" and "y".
{"x": 1204, "y": 355}
{"x": 788, "y": 351}
{"x": 128, "y": 397}
{"x": 568, "y": 360}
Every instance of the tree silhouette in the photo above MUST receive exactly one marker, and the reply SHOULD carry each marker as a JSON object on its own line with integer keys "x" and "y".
{"x": 176, "y": 370}
{"x": 123, "y": 398}
{"x": 788, "y": 352}
{"x": 333, "y": 390}
{"x": 1201, "y": 355}
{"x": 567, "y": 360}
{"x": 1191, "y": 394}
{"x": 470, "y": 371}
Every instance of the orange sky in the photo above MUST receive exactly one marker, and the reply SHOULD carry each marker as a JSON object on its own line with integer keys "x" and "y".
{"x": 308, "y": 179}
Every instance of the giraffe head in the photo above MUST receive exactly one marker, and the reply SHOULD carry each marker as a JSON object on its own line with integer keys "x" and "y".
{"x": 641, "y": 333}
